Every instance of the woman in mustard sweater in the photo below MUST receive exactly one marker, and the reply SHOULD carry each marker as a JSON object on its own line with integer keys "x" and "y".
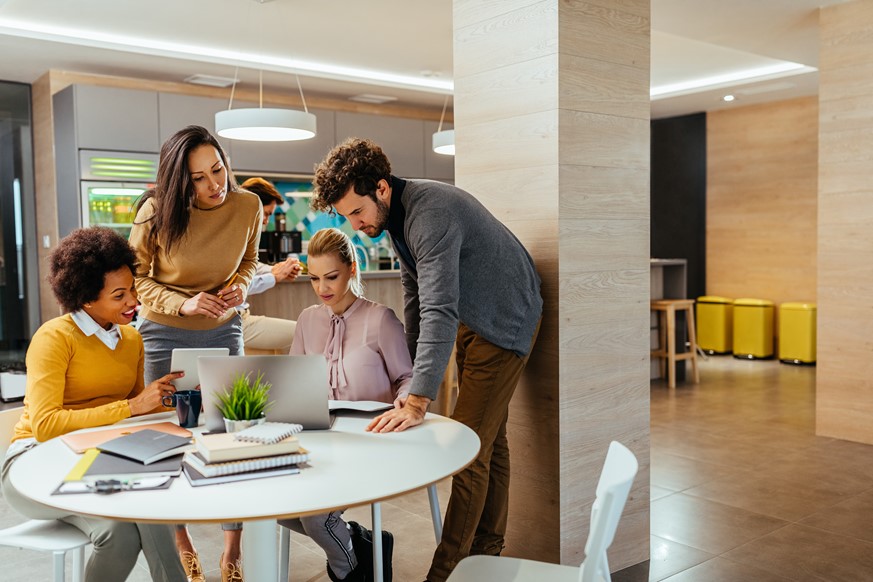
{"x": 85, "y": 369}
{"x": 196, "y": 235}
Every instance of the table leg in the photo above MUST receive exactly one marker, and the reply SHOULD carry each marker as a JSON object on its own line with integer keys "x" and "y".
{"x": 259, "y": 550}
{"x": 376, "y": 510}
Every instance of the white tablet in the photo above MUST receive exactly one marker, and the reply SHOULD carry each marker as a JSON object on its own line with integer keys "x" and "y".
{"x": 185, "y": 360}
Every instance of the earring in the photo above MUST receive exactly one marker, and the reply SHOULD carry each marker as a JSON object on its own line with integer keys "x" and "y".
{"x": 88, "y": 306}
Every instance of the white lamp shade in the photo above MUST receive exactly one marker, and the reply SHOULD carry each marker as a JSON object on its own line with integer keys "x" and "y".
{"x": 265, "y": 124}
{"x": 444, "y": 142}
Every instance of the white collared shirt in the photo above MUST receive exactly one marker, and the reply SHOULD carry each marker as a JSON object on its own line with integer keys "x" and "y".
{"x": 110, "y": 337}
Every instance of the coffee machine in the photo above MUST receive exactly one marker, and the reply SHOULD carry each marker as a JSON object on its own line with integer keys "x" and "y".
{"x": 277, "y": 245}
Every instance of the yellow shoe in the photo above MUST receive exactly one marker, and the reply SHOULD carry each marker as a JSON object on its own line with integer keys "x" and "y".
{"x": 191, "y": 564}
{"x": 230, "y": 572}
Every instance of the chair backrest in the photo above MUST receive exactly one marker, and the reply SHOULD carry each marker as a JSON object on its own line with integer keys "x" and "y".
{"x": 613, "y": 488}
{"x": 8, "y": 419}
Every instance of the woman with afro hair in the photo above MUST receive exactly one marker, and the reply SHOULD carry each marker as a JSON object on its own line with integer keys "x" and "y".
{"x": 85, "y": 369}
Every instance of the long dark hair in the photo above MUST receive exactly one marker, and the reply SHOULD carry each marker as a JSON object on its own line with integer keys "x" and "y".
{"x": 174, "y": 190}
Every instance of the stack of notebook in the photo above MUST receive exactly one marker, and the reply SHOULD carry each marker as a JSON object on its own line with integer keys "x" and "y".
{"x": 269, "y": 451}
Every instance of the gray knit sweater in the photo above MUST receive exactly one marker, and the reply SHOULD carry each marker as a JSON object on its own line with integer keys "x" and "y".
{"x": 469, "y": 268}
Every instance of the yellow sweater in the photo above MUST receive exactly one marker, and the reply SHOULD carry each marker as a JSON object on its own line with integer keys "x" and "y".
{"x": 74, "y": 381}
{"x": 220, "y": 242}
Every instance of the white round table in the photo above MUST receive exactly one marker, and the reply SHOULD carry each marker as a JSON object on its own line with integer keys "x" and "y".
{"x": 348, "y": 467}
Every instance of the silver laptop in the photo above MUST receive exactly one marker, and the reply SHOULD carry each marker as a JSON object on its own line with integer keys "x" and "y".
{"x": 299, "y": 393}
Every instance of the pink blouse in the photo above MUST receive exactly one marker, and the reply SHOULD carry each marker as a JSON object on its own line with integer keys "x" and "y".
{"x": 365, "y": 348}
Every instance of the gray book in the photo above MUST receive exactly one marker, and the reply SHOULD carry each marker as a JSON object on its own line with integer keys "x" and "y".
{"x": 146, "y": 446}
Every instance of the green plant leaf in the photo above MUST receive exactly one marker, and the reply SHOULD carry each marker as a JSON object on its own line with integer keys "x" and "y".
{"x": 245, "y": 400}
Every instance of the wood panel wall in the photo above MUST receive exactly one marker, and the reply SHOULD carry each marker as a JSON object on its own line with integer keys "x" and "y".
{"x": 762, "y": 189}
{"x": 844, "y": 380}
{"x": 552, "y": 135}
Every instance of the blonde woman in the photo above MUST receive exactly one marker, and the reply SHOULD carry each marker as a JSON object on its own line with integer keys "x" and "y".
{"x": 365, "y": 347}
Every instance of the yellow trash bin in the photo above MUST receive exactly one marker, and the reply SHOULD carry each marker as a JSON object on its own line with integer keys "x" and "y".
{"x": 797, "y": 333}
{"x": 753, "y": 329}
{"x": 715, "y": 324}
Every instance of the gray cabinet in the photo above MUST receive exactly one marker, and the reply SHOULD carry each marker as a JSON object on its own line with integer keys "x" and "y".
{"x": 400, "y": 139}
{"x": 437, "y": 166}
{"x": 289, "y": 157}
{"x": 177, "y": 111}
{"x": 106, "y": 118}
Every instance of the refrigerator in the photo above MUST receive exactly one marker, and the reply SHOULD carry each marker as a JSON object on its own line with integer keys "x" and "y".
{"x": 104, "y": 190}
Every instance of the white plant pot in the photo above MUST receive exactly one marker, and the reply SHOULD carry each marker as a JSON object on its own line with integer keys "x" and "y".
{"x": 238, "y": 425}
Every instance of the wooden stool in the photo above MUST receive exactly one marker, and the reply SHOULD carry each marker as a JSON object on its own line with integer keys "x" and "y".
{"x": 666, "y": 310}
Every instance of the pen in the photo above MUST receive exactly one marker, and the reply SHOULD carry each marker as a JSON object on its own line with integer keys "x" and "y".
{"x": 232, "y": 279}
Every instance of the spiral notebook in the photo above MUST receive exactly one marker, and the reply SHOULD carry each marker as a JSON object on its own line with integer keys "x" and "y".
{"x": 268, "y": 433}
{"x": 196, "y": 461}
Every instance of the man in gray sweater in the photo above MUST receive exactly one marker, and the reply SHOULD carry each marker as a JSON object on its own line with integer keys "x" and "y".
{"x": 466, "y": 281}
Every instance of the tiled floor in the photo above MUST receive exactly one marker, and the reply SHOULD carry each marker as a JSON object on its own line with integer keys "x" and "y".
{"x": 742, "y": 491}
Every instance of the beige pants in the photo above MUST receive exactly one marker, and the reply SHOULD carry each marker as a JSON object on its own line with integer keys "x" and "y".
{"x": 267, "y": 333}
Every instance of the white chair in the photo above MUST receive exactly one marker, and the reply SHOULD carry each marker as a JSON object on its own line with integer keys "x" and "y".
{"x": 50, "y": 535}
{"x": 376, "y": 513}
{"x": 615, "y": 482}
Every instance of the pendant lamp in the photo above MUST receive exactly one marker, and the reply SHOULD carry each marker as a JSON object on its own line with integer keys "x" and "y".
{"x": 265, "y": 123}
{"x": 444, "y": 140}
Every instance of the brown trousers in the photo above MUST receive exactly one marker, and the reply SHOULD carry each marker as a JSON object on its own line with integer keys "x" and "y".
{"x": 475, "y": 521}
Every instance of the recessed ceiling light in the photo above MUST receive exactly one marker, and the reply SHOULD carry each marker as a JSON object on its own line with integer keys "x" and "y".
{"x": 728, "y": 98}
{"x": 370, "y": 98}
{"x": 211, "y": 80}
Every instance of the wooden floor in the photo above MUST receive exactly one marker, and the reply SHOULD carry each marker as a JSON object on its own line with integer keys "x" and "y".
{"x": 742, "y": 491}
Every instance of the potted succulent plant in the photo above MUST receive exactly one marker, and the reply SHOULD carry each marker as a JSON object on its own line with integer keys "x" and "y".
{"x": 245, "y": 403}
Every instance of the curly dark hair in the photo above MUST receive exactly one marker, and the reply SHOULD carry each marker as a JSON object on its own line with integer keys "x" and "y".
{"x": 355, "y": 162}
{"x": 79, "y": 264}
{"x": 174, "y": 190}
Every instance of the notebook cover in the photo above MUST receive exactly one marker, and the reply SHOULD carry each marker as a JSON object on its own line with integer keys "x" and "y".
{"x": 109, "y": 466}
{"x": 145, "y": 446}
{"x": 82, "y": 441}
{"x": 222, "y": 446}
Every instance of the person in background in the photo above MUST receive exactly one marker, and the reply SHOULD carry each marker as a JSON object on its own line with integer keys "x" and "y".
{"x": 365, "y": 348}
{"x": 261, "y": 332}
{"x": 196, "y": 236}
{"x": 85, "y": 369}
{"x": 466, "y": 280}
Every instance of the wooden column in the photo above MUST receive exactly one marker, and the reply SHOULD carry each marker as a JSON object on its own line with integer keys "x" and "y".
{"x": 844, "y": 384}
{"x": 46, "y": 189}
{"x": 552, "y": 134}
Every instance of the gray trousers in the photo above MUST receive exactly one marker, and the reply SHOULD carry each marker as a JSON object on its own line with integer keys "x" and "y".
{"x": 159, "y": 341}
{"x": 116, "y": 544}
{"x": 331, "y": 533}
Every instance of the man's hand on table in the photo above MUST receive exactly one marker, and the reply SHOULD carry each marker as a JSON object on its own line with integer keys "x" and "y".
{"x": 407, "y": 412}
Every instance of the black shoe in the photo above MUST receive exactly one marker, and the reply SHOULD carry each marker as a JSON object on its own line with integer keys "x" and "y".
{"x": 356, "y": 575}
{"x": 362, "y": 542}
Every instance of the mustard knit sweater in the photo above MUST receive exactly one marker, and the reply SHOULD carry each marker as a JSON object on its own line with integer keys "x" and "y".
{"x": 74, "y": 381}
{"x": 219, "y": 242}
